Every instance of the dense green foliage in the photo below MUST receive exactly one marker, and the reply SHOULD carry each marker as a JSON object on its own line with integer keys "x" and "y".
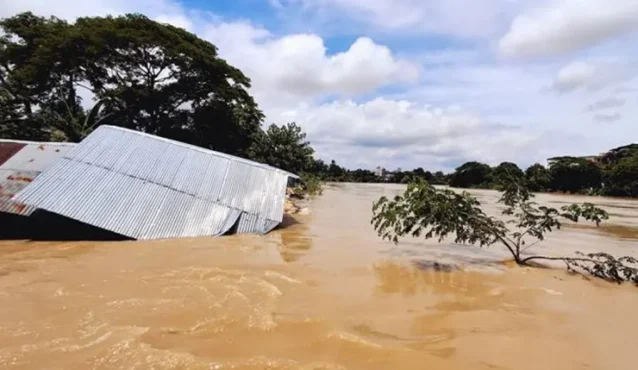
{"x": 621, "y": 179}
{"x": 616, "y": 155}
{"x": 472, "y": 175}
{"x": 423, "y": 210}
{"x": 575, "y": 175}
{"x": 311, "y": 184}
{"x": 538, "y": 178}
{"x": 146, "y": 76}
{"x": 505, "y": 173}
{"x": 335, "y": 173}
{"x": 284, "y": 147}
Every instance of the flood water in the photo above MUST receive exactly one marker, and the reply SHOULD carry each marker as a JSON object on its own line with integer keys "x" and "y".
{"x": 324, "y": 293}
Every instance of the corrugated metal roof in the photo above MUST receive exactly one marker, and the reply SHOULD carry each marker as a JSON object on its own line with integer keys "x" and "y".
{"x": 20, "y": 163}
{"x": 146, "y": 187}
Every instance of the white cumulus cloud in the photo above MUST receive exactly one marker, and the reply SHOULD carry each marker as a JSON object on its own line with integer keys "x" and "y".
{"x": 387, "y": 132}
{"x": 299, "y": 64}
{"x": 561, "y": 26}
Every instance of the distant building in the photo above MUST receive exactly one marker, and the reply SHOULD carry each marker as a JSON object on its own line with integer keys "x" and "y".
{"x": 379, "y": 172}
{"x": 387, "y": 176}
{"x": 592, "y": 158}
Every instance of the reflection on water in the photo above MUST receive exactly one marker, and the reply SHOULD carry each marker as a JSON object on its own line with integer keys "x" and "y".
{"x": 323, "y": 293}
{"x": 617, "y": 231}
{"x": 294, "y": 242}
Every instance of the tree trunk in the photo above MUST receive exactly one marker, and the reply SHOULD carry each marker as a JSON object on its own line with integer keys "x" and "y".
{"x": 70, "y": 100}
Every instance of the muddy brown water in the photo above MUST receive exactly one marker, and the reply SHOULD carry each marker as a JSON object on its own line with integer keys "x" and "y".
{"x": 324, "y": 293}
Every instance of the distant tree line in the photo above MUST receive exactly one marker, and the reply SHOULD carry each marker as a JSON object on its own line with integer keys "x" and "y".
{"x": 334, "y": 173}
{"x": 61, "y": 80}
{"x": 613, "y": 174}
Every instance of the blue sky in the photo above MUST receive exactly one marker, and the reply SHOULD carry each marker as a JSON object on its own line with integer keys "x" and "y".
{"x": 421, "y": 83}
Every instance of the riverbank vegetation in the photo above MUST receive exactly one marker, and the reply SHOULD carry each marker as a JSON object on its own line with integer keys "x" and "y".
{"x": 61, "y": 80}
{"x": 423, "y": 210}
{"x": 614, "y": 173}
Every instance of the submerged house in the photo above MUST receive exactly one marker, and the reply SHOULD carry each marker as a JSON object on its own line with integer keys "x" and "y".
{"x": 142, "y": 186}
{"x": 20, "y": 163}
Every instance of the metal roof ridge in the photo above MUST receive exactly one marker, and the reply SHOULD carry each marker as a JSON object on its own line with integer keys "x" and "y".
{"x": 27, "y": 142}
{"x": 201, "y": 149}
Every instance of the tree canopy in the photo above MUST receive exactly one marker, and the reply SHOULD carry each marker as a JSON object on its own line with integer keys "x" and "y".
{"x": 621, "y": 178}
{"x": 505, "y": 173}
{"x": 284, "y": 147}
{"x": 538, "y": 177}
{"x": 614, "y": 156}
{"x": 573, "y": 175}
{"x": 471, "y": 174}
{"x": 148, "y": 76}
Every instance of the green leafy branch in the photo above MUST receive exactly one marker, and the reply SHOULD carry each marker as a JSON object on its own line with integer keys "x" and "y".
{"x": 423, "y": 210}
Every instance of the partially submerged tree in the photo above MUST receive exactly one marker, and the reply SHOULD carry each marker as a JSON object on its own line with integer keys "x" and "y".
{"x": 424, "y": 210}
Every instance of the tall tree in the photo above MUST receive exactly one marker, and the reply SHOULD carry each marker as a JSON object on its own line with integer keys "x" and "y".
{"x": 148, "y": 76}
{"x": 505, "y": 173}
{"x": 574, "y": 175}
{"x": 621, "y": 179}
{"x": 617, "y": 154}
{"x": 439, "y": 178}
{"x": 320, "y": 168}
{"x": 420, "y": 173}
{"x": 361, "y": 175}
{"x": 38, "y": 72}
{"x": 166, "y": 81}
{"x": 285, "y": 147}
{"x": 472, "y": 174}
{"x": 538, "y": 177}
{"x": 336, "y": 172}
